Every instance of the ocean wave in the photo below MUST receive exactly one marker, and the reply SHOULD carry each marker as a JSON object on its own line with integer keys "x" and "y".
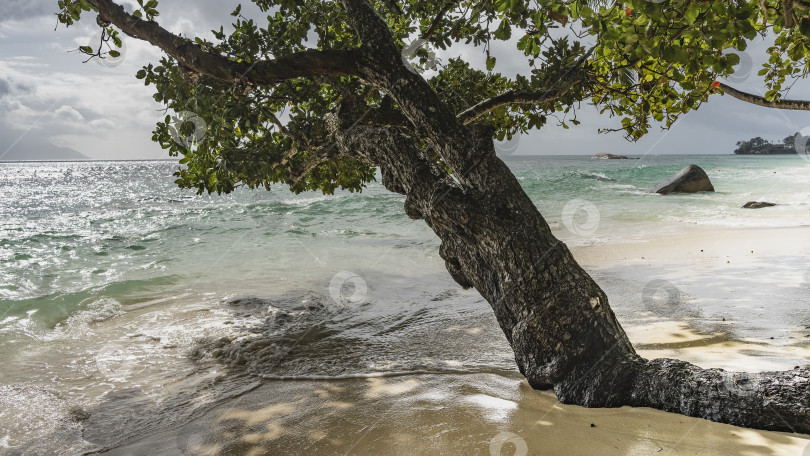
{"x": 38, "y": 420}
{"x": 310, "y": 337}
{"x": 79, "y": 322}
{"x": 49, "y": 310}
{"x": 595, "y": 175}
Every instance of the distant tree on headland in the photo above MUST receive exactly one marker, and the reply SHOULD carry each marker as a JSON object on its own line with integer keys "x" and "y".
{"x": 760, "y": 146}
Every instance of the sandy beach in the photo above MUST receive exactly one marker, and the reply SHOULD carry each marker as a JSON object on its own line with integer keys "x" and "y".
{"x": 732, "y": 308}
{"x": 729, "y": 298}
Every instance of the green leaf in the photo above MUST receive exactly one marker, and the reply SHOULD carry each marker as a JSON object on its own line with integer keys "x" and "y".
{"x": 490, "y": 63}
{"x": 691, "y": 13}
{"x": 87, "y": 50}
{"x": 504, "y": 31}
{"x": 804, "y": 26}
{"x": 114, "y": 54}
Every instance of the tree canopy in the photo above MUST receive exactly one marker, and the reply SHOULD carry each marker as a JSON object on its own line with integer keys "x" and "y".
{"x": 322, "y": 93}
{"x": 261, "y": 90}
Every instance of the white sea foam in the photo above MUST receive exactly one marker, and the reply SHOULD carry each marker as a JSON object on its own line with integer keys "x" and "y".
{"x": 175, "y": 296}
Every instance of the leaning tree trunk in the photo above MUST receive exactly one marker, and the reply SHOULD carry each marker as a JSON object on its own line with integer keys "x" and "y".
{"x": 555, "y": 317}
{"x": 553, "y": 314}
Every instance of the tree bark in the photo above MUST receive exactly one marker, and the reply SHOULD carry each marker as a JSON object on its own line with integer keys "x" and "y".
{"x": 555, "y": 317}
{"x": 794, "y": 105}
{"x": 262, "y": 72}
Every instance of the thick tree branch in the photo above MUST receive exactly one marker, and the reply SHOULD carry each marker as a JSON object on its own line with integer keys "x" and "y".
{"x": 571, "y": 76}
{"x": 510, "y": 97}
{"x": 437, "y": 20}
{"x": 264, "y": 72}
{"x": 322, "y": 155}
{"x": 432, "y": 119}
{"x": 796, "y": 105}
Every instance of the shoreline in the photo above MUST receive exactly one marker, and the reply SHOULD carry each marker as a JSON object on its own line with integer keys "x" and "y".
{"x": 482, "y": 413}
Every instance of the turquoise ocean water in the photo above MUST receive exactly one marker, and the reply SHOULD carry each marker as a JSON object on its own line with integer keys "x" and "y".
{"x": 113, "y": 279}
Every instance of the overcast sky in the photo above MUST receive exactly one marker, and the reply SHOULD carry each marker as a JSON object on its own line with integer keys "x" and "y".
{"x": 54, "y": 106}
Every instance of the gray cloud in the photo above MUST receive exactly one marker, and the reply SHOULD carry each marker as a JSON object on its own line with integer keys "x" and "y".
{"x": 105, "y": 113}
{"x": 16, "y": 145}
{"x": 26, "y": 9}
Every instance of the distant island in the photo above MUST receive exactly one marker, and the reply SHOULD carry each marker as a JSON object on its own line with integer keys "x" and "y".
{"x": 760, "y": 146}
{"x": 607, "y": 156}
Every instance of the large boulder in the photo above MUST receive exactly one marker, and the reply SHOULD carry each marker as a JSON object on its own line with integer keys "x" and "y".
{"x": 757, "y": 205}
{"x": 691, "y": 179}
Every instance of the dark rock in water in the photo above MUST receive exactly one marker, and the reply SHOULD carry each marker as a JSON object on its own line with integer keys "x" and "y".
{"x": 607, "y": 156}
{"x": 757, "y": 204}
{"x": 691, "y": 179}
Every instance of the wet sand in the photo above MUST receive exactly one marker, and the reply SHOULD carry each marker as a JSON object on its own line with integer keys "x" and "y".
{"x": 736, "y": 299}
{"x": 724, "y": 306}
{"x": 449, "y": 415}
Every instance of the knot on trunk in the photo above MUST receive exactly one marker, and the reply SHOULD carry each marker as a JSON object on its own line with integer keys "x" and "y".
{"x": 454, "y": 266}
{"x": 412, "y": 209}
{"x": 102, "y": 22}
{"x": 391, "y": 182}
{"x": 482, "y": 135}
{"x": 451, "y": 205}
